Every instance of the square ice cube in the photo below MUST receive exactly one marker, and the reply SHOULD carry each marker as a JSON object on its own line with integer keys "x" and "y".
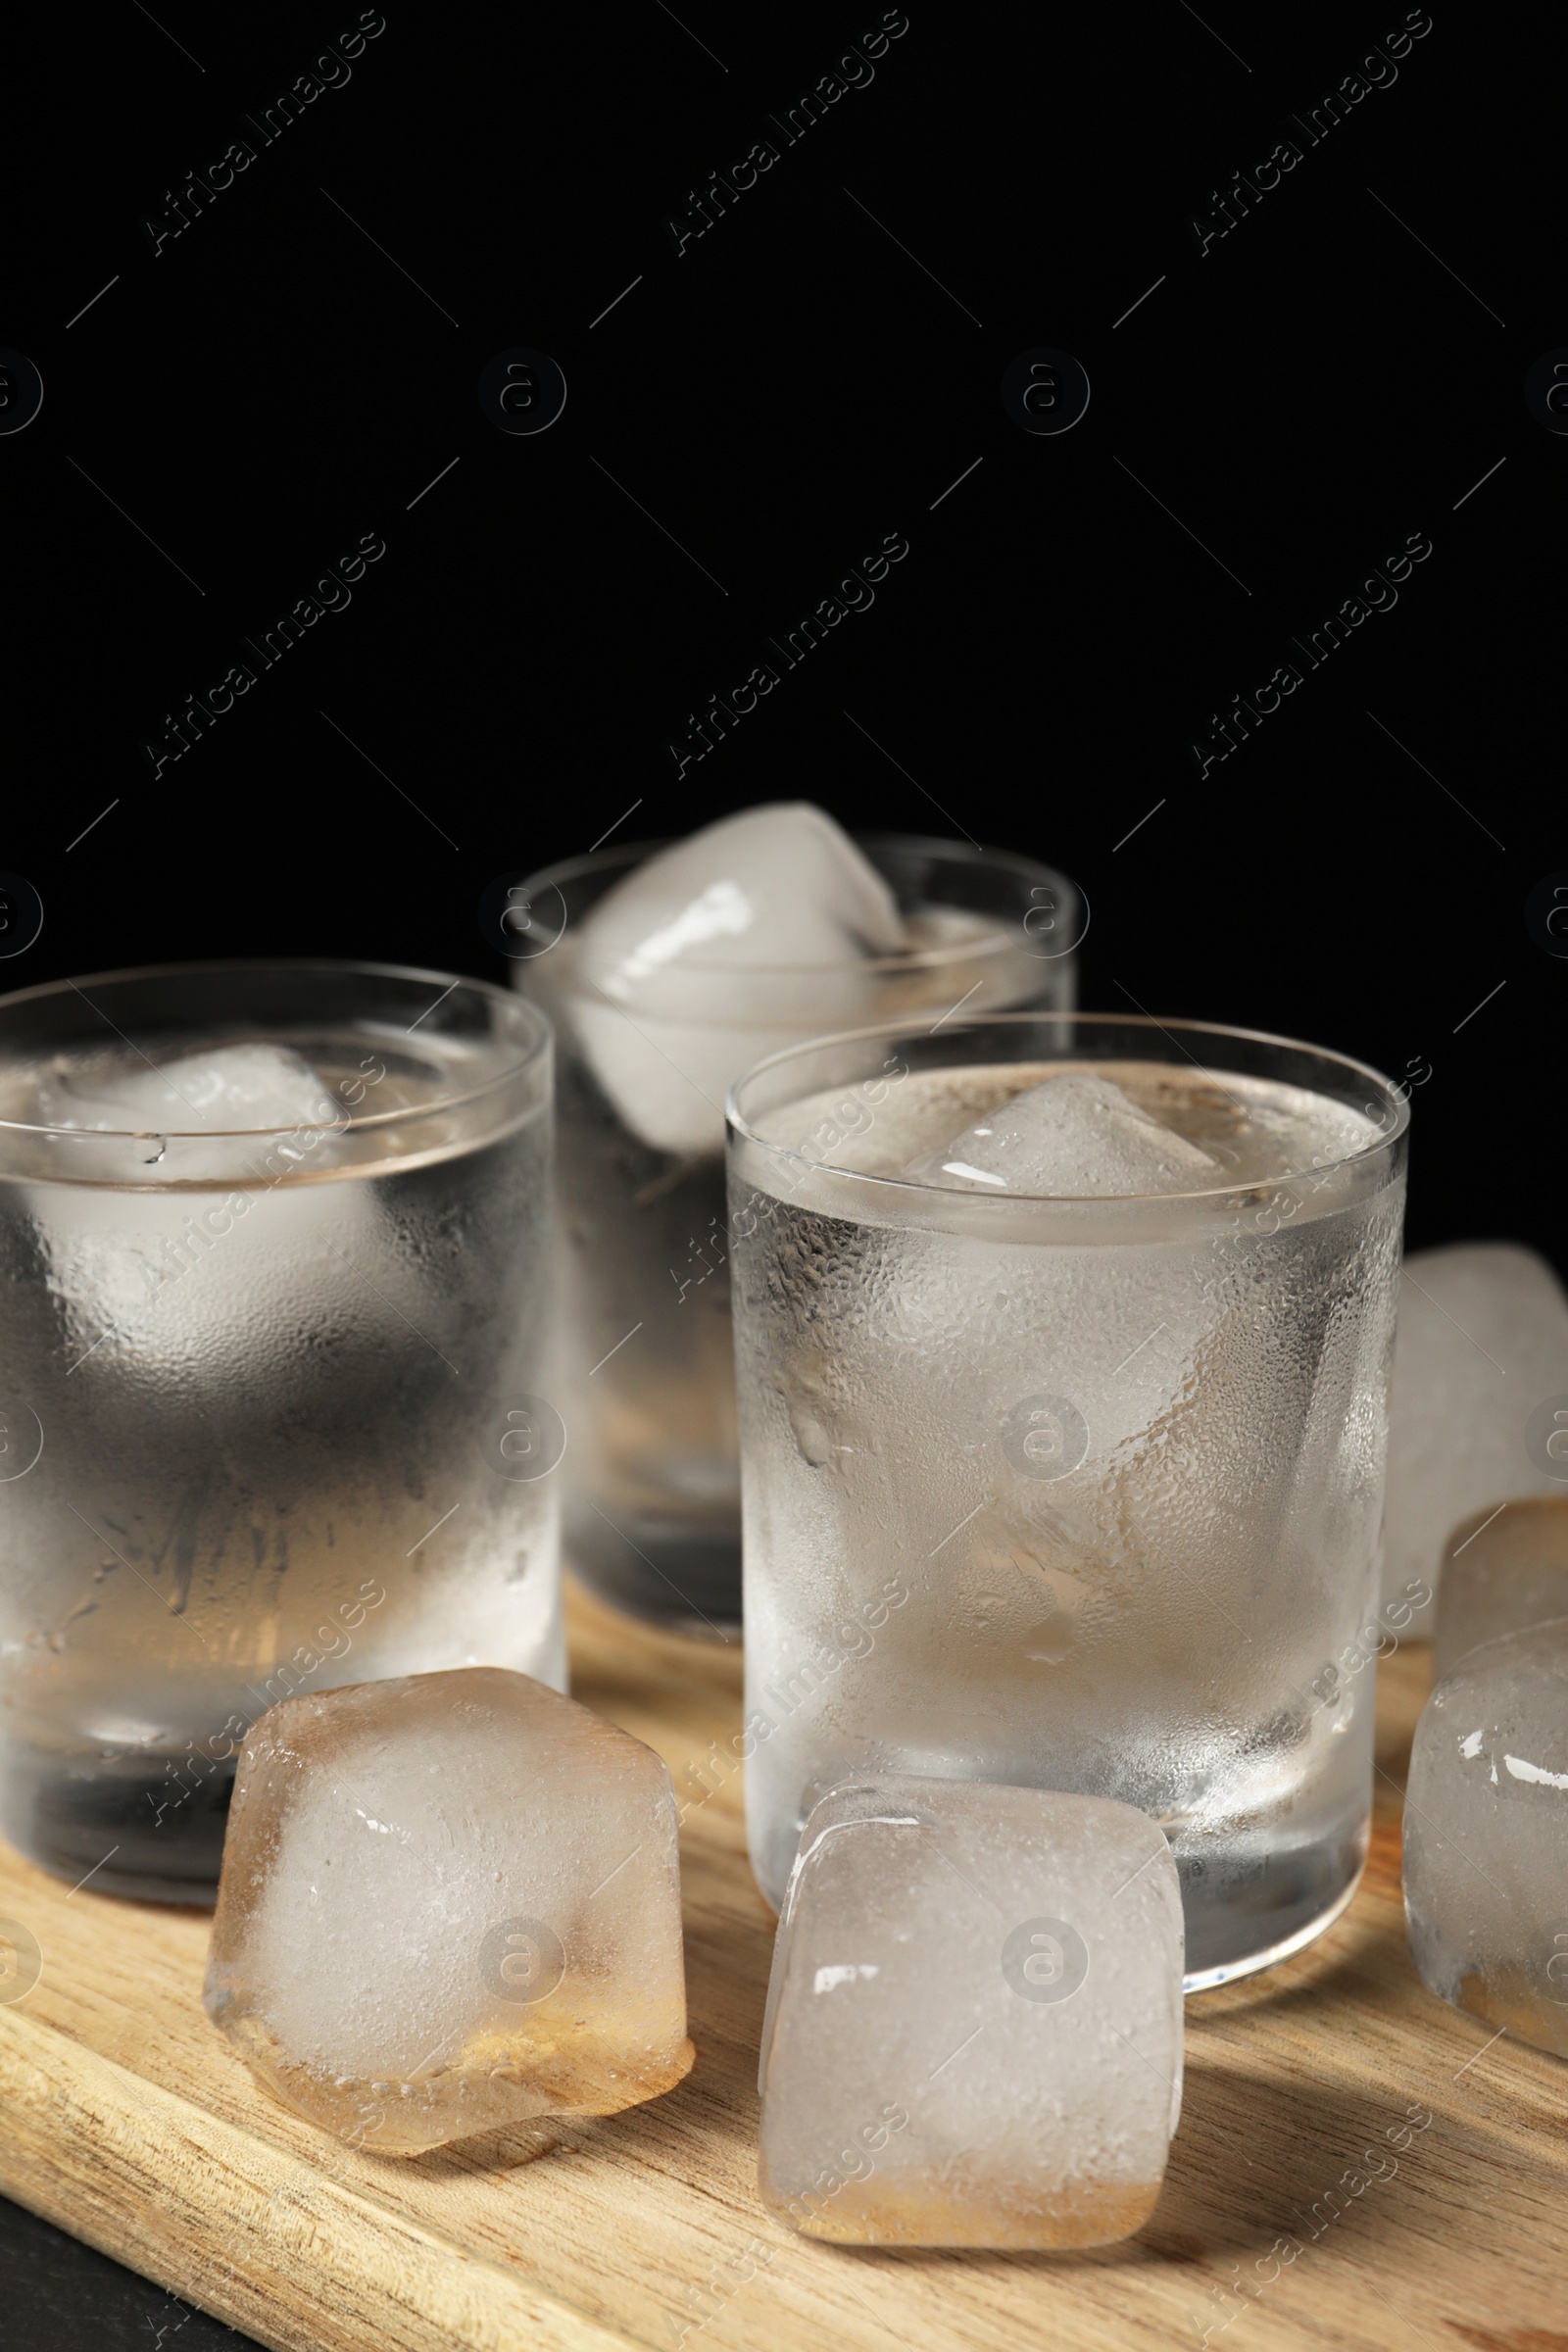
{"x": 237, "y": 1092}
{"x": 1486, "y": 1836}
{"x": 1505, "y": 1568}
{"x": 779, "y": 893}
{"x": 1482, "y": 1348}
{"x": 974, "y": 2023}
{"x": 1077, "y": 1134}
{"x": 214, "y": 1089}
{"x": 449, "y": 1902}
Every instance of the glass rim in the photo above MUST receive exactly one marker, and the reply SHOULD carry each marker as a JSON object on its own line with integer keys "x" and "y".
{"x": 932, "y": 958}
{"x": 505, "y": 999}
{"x": 740, "y": 1126}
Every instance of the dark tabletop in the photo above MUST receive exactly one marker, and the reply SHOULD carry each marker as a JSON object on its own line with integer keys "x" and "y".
{"x": 57, "y": 2295}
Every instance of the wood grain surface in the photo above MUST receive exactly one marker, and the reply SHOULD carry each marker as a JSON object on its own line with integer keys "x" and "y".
{"x": 130, "y": 2123}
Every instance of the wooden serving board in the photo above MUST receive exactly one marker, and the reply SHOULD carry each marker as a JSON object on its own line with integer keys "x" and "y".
{"x": 130, "y": 2123}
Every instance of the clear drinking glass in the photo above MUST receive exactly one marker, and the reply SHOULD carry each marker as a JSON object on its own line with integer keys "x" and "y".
{"x": 1073, "y": 1493}
{"x": 652, "y": 1475}
{"x": 268, "y": 1409}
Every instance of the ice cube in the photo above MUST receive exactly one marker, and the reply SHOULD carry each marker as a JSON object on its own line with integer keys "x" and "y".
{"x": 448, "y": 1903}
{"x": 218, "y": 1088}
{"x": 1481, "y": 1343}
{"x": 778, "y": 893}
{"x": 776, "y": 885}
{"x": 974, "y": 2023}
{"x": 1486, "y": 1836}
{"x": 1076, "y": 1134}
{"x": 1505, "y": 1568}
{"x": 257, "y": 1090}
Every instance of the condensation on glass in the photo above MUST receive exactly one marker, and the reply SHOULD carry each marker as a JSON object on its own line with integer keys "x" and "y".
{"x": 274, "y": 1264}
{"x": 1073, "y": 1493}
{"x": 653, "y": 1479}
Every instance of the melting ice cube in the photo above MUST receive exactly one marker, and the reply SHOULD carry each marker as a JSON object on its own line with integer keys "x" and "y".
{"x": 1482, "y": 1345}
{"x": 450, "y": 1902}
{"x": 257, "y": 1090}
{"x": 720, "y": 950}
{"x": 1486, "y": 1836}
{"x": 1076, "y": 1134}
{"x": 1506, "y": 1568}
{"x": 974, "y": 2025}
{"x": 214, "y": 1089}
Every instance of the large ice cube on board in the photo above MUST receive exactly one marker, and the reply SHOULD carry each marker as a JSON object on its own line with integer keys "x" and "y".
{"x": 974, "y": 2024}
{"x": 1482, "y": 1345}
{"x": 779, "y": 893}
{"x": 1486, "y": 1836}
{"x": 1506, "y": 1569}
{"x": 449, "y": 1902}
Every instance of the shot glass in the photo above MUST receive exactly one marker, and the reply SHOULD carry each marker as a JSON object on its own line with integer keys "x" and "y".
{"x": 652, "y": 1476}
{"x": 1071, "y": 1493}
{"x": 275, "y": 1252}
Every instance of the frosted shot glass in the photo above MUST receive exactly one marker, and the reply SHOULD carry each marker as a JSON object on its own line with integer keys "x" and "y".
{"x": 653, "y": 1473}
{"x": 1073, "y": 1493}
{"x": 274, "y": 1292}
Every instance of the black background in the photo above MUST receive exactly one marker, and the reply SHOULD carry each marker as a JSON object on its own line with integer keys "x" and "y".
{"x": 799, "y": 382}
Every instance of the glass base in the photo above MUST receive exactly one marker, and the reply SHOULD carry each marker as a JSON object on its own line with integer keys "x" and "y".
{"x": 1283, "y": 1946}
{"x": 683, "y": 1579}
{"x": 125, "y": 1825}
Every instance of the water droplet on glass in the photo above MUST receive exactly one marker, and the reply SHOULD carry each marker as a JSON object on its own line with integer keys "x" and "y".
{"x": 1049, "y": 1643}
{"x": 810, "y": 1437}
